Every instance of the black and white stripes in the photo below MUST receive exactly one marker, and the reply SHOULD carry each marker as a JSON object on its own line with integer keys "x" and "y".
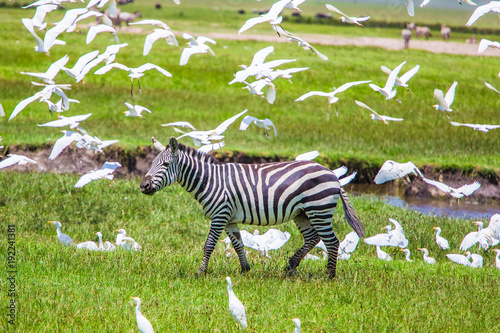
{"x": 258, "y": 194}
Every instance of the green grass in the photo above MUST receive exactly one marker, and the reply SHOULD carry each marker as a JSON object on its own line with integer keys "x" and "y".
{"x": 63, "y": 289}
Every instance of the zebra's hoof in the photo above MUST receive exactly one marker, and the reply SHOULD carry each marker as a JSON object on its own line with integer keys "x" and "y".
{"x": 245, "y": 269}
{"x": 200, "y": 273}
{"x": 290, "y": 271}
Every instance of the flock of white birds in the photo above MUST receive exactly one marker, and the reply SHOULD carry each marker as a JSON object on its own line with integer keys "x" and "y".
{"x": 263, "y": 73}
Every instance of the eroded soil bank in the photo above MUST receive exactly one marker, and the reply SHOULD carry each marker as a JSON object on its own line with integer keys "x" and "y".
{"x": 135, "y": 163}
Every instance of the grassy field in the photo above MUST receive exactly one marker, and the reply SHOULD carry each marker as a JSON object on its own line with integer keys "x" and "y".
{"x": 63, "y": 289}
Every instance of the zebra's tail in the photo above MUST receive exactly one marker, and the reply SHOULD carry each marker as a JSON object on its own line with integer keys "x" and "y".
{"x": 350, "y": 214}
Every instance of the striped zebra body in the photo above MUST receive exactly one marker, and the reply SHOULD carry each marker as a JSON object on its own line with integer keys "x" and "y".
{"x": 257, "y": 194}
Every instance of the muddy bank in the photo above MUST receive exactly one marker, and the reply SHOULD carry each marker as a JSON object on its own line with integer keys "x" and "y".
{"x": 136, "y": 162}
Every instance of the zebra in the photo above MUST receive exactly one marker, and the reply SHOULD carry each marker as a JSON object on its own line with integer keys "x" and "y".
{"x": 256, "y": 194}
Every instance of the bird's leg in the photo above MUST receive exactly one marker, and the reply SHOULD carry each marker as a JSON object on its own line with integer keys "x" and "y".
{"x": 139, "y": 83}
{"x": 328, "y": 112}
{"x": 448, "y": 117}
{"x": 397, "y": 100}
{"x": 266, "y": 134}
{"x": 336, "y": 110}
{"x": 132, "y": 90}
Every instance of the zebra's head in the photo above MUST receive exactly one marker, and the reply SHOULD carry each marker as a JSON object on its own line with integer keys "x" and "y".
{"x": 164, "y": 170}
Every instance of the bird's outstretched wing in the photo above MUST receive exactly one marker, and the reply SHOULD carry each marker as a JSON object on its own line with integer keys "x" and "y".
{"x": 443, "y": 187}
{"x": 493, "y": 6}
{"x": 450, "y": 95}
{"x": 247, "y": 121}
{"x": 149, "y": 66}
{"x": 309, "y": 156}
{"x": 21, "y": 105}
{"x": 96, "y": 29}
{"x": 438, "y": 95}
{"x": 107, "y": 68}
{"x": 61, "y": 144}
{"x": 335, "y": 10}
{"x": 346, "y": 180}
{"x": 391, "y": 80}
{"x": 181, "y": 124}
{"x": 260, "y": 56}
{"x": 363, "y": 105}
{"x": 348, "y": 85}
{"x": 225, "y": 124}
{"x": 152, "y": 22}
{"x": 186, "y": 54}
{"x": 408, "y": 75}
{"x": 313, "y": 93}
{"x": 469, "y": 189}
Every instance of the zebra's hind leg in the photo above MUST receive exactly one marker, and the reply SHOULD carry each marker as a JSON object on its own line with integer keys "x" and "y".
{"x": 234, "y": 234}
{"x": 216, "y": 227}
{"x": 325, "y": 231}
{"x": 311, "y": 239}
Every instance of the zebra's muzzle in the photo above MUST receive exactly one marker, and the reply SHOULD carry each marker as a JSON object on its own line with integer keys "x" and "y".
{"x": 147, "y": 186}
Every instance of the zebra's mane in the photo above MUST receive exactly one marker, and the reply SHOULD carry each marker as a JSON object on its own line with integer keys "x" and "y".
{"x": 207, "y": 158}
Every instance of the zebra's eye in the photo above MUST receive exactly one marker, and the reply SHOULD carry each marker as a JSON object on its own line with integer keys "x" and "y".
{"x": 166, "y": 163}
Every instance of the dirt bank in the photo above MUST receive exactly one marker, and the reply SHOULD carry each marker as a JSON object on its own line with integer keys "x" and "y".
{"x": 137, "y": 162}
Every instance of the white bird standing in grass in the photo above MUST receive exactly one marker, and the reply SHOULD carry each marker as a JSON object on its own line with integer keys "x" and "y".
{"x": 119, "y": 237}
{"x": 347, "y": 246}
{"x": 497, "y": 258}
{"x": 382, "y": 254}
{"x": 479, "y": 127}
{"x": 493, "y": 6}
{"x": 129, "y": 244}
{"x": 427, "y": 259}
{"x": 477, "y": 261}
{"x": 135, "y": 110}
{"x": 458, "y": 193}
{"x": 63, "y": 238}
{"x": 236, "y": 308}
{"x": 388, "y": 91}
{"x": 104, "y": 172}
{"x": 347, "y": 19}
{"x": 402, "y": 81}
{"x": 134, "y": 73}
{"x": 407, "y": 252}
{"x": 89, "y": 245}
{"x": 272, "y": 16}
{"x": 297, "y": 323}
{"x": 265, "y": 124}
{"x": 394, "y": 237}
{"x": 97, "y": 29}
{"x": 13, "y": 159}
{"x": 375, "y": 115}
{"x": 391, "y": 170}
{"x": 444, "y": 102}
{"x": 332, "y": 99}
{"x": 460, "y": 258}
{"x": 72, "y": 122}
{"x": 441, "y": 241}
{"x": 142, "y": 322}
{"x": 195, "y": 46}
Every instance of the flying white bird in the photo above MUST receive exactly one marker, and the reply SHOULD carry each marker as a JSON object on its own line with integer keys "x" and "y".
{"x": 96, "y": 29}
{"x": 142, "y": 322}
{"x": 486, "y": 237}
{"x": 14, "y": 159}
{"x": 39, "y": 17}
{"x": 445, "y": 101}
{"x": 458, "y": 193}
{"x": 157, "y": 34}
{"x": 72, "y": 122}
{"x": 104, "y": 172}
{"x": 61, "y": 144}
{"x": 257, "y": 86}
{"x": 301, "y": 42}
{"x": 265, "y": 124}
{"x": 49, "y": 40}
{"x": 402, "y": 81}
{"x": 479, "y": 127}
{"x": 93, "y": 142}
{"x": 460, "y": 258}
{"x": 347, "y": 19}
{"x": 63, "y": 238}
{"x": 236, "y": 308}
{"x": 375, "y": 115}
{"x": 485, "y": 43}
{"x": 135, "y": 110}
{"x": 157, "y": 23}
{"x": 309, "y": 156}
{"x": 195, "y": 46}
{"x": 424, "y": 3}
{"x": 382, "y": 254}
{"x": 180, "y": 124}
{"x": 284, "y": 73}
{"x": 407, "y": 257}
{"x": 427, "y": 259}
{"x": 205, "y": 149}
{"x": 493, "y": 6}
{"x": 441, "y": 241}
{"x": 332, "y": 99}
{"x": 134, "y": 73}
{"x": 394, "y": 237}
{"x": 272, "y": 16}
{"x": 52, "y": 71}
{"x": 77, "y": 69}
{"x": 388, "y": 91}
{"x": 410, "y": 7}
{"x": 391, "y": 170}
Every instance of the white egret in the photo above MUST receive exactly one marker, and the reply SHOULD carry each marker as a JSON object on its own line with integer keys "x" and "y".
{"x": 157, "y": 23}
{"x": 39, "y": 17}
{"x": 205, "y": 149}
{"x": 135, "y": 110}
{"x": 129, "y": 244}
{"x": 72, "y": 122}
{"x": 407, "y": 252}
{"x": 236, "y": 308}
{"x": 458, "y": 193}
{"x": 375, "y": 115}
{"x": 493, "y": 6}
{"x": 109, "y": 56}
{"x": 460, "y": 258}
{"x": 410, "y": 7}
{"x": 89, "y": 245}
{"x": 347, "y": 246}
{"x": 77, "y": 69}
{"x": 485, "y": 43}
{"x": 96, "y": 29}
{"x": 257, "y": 86}
{"x": 332, "y": 99}
{"x": 477, "y": 261}
{"x": 479, "y": 127}
{"x": 52, "y": 71}
{"x": 339, "y": 172}
{"x": 284, "y": 73}
{"x": 297, "y": 323}
{"x": 119, "y": 237}
{"x": 294, "y": 4}
{"x": 382, "y": 255}
{"x": 195, "y": 46}
{"x": 497, "y": 258}
{"x": 388, "y": 91}
{"x": 63, "y": 238}
{"x": 441, "y": 241}
{"x": 444, "y": 102}
{"x": 104, "y": 172}
{"x": 427, "y": 259}
{"x": 300, "y": 42}
{"x": 486, "y": 237}
{"x": 402, "y": 81}
{"x": 142, "y": 322}
{"x": 309, "y": 156}
{"x": 180, "y": 124}
{"x": 14, "y": 159}
{"x": 394, "y": 237}
{"x": 347, "y": 19}
{"x": 424, "y": 3}
{"x": 265, "y": 124}
{"x": 61, "y": 144}
{"x": 272, "y": 16}
{"x": 50, "y": 39}
{"x": 93, "y": 142}
{"x": 391, "y": 170}
{"x": 134, "y": 73}
{"x": 157, "y": 34}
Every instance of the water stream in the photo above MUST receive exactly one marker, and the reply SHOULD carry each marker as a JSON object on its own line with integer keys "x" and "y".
{"x": 395, "y": 195}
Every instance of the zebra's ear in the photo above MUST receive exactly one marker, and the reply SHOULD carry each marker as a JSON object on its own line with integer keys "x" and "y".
{"x": 158, "y": 145}
{"x": 174, "y": 145}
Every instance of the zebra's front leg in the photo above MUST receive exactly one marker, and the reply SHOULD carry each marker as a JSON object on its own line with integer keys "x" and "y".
{"x": 233, "y": 232}
{"x": 311, "y": 239}
{"x": 216, "y": 228}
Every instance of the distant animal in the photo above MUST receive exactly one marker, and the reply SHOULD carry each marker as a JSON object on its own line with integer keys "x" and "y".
{"x": 471, "y": 40}
{"x": 406, "y": 34}
{"x": 241, "y": 11}
{"x": 267, "y": 194}
{"x": 445, "y": 32}
{"x": 423, "y": 31}
{"x": 128, "y": 17}
{"x": 411, "y": 26}
{"x": 158, "y": 6}
{"x": 323, "y": 16}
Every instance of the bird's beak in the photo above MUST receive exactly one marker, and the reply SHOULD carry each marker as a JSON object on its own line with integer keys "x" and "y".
{"x": 419, "y": 248}
{"x": 51, "y": 222}
{"x": 401, "y": 250}
{"x": 434, "y": 228}
{"x": 116, "y": 230}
